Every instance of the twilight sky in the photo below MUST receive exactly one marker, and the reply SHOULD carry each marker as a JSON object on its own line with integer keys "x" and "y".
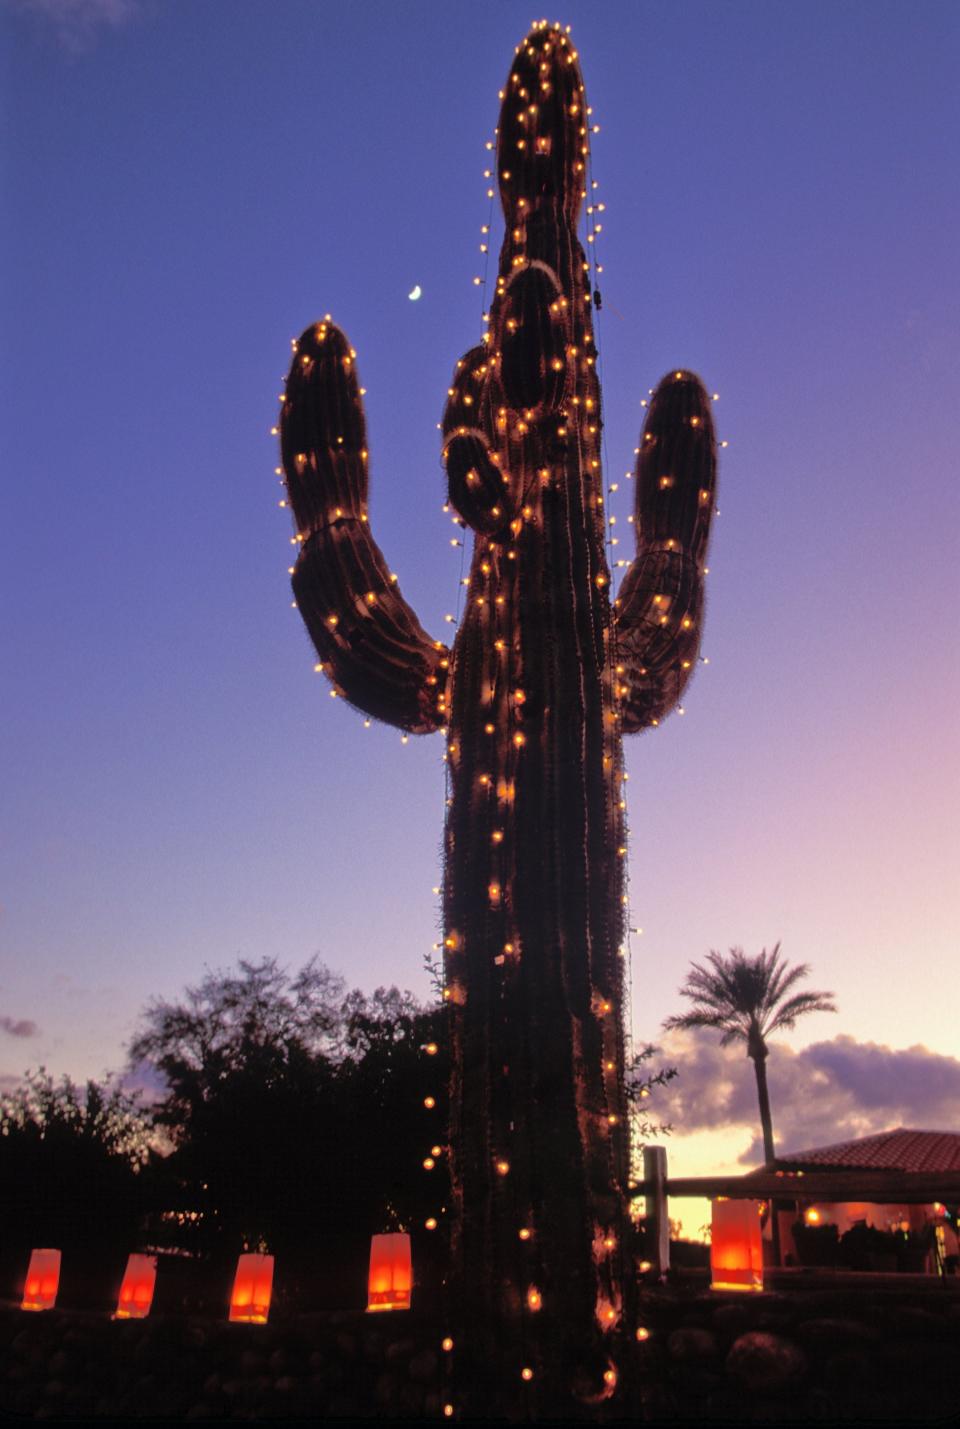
{"x": 186, "y": 186}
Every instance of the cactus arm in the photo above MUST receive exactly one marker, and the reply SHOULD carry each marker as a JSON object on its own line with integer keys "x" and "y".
{"x": 659, "y": 610}
{"x": 367, "y": 638}
{"x": 480, "y": 486}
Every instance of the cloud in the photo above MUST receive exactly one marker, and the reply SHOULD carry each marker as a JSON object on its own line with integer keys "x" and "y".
{"x": 831, "y": 1091}
{"x": 76, "y": 23}
{"x": 20, "y": 1027}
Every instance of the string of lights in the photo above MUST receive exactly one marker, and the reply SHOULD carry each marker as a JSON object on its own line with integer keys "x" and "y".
{"x": 544, "y": 675}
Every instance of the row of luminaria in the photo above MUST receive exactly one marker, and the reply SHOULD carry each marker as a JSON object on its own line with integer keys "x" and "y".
{"x": 735, "y": 1257}
{"x": 389, "y": 1283}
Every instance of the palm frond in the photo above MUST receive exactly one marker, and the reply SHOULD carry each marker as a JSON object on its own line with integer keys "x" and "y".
{"x": 744, "y": 997}
{"x": 702, "y": 1017}
{"x": 801, "y": 1004}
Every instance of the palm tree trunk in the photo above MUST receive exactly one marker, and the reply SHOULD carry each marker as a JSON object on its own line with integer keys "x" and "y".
{"x": 759, "y": 1058}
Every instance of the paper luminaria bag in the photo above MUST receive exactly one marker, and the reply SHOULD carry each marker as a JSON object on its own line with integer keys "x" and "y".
{"x": 43, "y": 1280}
{"x": 736, "y": 1246}
{"x": 252, "y": 1289}
{"x": 136, "y": 1291}
{"x": 391, "y": 1272}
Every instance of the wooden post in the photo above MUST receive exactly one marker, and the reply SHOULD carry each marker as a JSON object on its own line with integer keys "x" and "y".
{"x": 655, "y": 1177}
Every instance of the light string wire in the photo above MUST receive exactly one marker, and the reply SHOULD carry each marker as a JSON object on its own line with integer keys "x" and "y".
{"x": 520, "y": 1214}
{"x": 480, "y": 282}
{"x": 594, "y": 207}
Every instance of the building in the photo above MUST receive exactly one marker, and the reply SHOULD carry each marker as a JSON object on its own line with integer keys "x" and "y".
{"x": 924, "y": 1237}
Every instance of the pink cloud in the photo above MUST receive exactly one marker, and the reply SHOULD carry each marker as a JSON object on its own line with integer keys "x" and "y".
{"x": 19, "y": 1027}
{"x": 829, "y": 1092}
{"x": 76, "y": 22}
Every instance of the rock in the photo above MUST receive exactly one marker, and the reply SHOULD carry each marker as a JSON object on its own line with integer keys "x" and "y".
{"x": 24, "y": 1341}
{"x": 399, "y": 1350}
{"x": 847, "y": 1372}
{"x": 775, "y": 1321}
{"x": 423, "y": 1367}
{"x": 765, "y": 1363}
{"x": 827, "y": 1334}
{"x": 909, "y": 1361}
{"x": 695, "y": 1381}
{"x": 317, "y": 1388}
{"x": 335, "y": 1373}
{"x": 252, "y": 1362}
{"x": 342, "y": 1406}
{"x": 372, "y": 1345}
{"x": 731, "y": 1320}
{"x": 386, "y": 1389}
{"x": 411, "y": 1400}
{"x": 917, "y": 1323}
{"x": 346, "y": 1344}
{"x": 692, "y": 1345}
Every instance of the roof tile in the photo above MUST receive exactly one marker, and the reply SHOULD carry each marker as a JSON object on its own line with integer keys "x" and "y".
{"x": 901, "y": 1149}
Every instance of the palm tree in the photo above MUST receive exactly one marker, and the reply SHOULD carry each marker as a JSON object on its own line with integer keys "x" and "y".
{"x": 747, "y": 998}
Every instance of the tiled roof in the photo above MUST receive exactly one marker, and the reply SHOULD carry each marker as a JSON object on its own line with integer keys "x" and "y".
{"x": 900, "y": 1150}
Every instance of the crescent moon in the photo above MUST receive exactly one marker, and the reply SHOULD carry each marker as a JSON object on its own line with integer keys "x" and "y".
{"x": 417, "y": 292}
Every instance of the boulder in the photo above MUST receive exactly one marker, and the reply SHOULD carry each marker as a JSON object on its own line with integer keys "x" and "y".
{"x": 692, "y": 1345}
{"x": 764, "y": 1363}
{"x": 423, "y": 1367}
{"x": 836, "y": 1334}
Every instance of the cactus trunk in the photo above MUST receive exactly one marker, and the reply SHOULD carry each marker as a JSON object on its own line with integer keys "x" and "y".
{"x": 545, "y": 676}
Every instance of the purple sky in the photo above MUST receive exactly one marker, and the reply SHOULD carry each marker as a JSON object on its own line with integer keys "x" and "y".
{"x": 186, "y": 186}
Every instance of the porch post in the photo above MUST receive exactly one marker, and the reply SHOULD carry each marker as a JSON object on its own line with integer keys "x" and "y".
{"x": 655, "y": 1175}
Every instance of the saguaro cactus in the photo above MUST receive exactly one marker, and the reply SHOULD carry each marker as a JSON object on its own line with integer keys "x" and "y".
{"x": 544, "y": 677}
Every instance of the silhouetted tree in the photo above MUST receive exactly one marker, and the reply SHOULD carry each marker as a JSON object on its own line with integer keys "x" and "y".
{"x": 746, "y": 999}
{"x": 72, "y": 1171}
{"x": 297, "y": 1116}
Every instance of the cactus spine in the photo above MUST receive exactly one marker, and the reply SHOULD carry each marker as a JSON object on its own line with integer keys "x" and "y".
{"x": 545, "y": 676}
